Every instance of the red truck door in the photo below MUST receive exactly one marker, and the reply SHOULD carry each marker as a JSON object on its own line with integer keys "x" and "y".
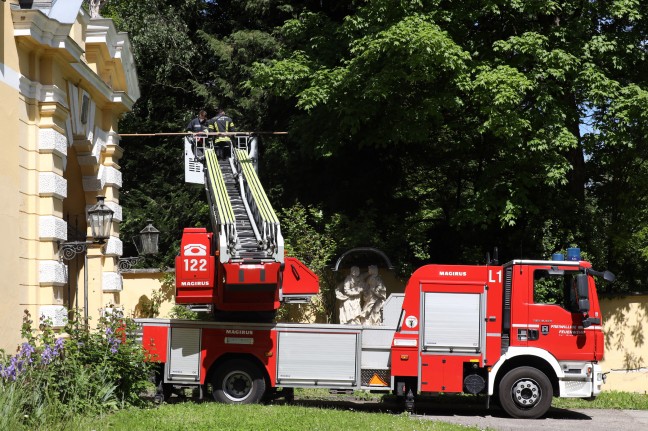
{"x": 555, "y": 323}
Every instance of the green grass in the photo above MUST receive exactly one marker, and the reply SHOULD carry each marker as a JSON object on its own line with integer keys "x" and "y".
{"x": 345, "y": 413}
{"x": 213, "y": 416}
{"x": 606, "y": 400}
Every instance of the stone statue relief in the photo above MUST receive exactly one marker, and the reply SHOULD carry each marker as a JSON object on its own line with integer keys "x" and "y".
{"x": 374, "y": 297}
{"x": 361, "y": 297}
{"x": 348, "y": 294}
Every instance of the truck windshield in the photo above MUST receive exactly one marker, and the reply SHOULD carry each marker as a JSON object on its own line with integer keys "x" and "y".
{"x": 556, "y": 288}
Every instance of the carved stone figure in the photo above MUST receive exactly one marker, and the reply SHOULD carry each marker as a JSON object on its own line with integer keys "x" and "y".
{"x": 374, "y": 295}
{"x": 352, "y": 288}
{"x": 341, "y": 299}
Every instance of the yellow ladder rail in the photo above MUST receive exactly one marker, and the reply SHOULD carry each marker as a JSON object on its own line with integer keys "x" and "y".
{"x": 258, "y": 193}
{"x": 217, "y": 182}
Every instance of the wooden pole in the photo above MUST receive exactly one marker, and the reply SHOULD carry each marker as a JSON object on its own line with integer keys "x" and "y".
{"x": 126, "y": 135}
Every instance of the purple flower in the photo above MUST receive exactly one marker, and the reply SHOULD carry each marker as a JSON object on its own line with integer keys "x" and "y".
{"x": 109, "y": 331}
{"x": 9, "y": 372}
{"x": 26, "y": 351}
{"x": 58, "y": 346}
{"x": 47, "y": 356}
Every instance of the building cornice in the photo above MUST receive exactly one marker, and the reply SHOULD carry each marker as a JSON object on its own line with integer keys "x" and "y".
{"x": 33, "y": 26}
{"x": 101, "y": 32}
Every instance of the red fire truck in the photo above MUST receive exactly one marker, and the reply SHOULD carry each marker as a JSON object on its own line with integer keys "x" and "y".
{"x": 524, "y": 332}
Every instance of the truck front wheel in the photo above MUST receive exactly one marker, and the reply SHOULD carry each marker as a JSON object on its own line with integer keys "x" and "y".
{"x": 238, "y": 382}
{"x": 525, "y": 393}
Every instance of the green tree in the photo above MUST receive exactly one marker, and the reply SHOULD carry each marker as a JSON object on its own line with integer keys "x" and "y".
{"x": 482, "y": 106}
{"x": 434, "y": 130}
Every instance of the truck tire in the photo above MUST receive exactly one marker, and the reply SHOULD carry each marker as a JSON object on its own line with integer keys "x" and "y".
{"x": 525, "y": 393}
{"x": 238, "y": 382}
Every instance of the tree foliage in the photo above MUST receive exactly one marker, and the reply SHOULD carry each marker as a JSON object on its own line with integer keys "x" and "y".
{"x": 433, "y": 130}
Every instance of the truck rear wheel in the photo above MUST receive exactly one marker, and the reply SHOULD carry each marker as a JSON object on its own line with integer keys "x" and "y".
{"x": 525, "y": 393}
{"x": 238, "y": 382}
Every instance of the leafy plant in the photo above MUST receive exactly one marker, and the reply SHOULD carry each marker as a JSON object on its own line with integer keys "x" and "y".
{"x": 54, "y": 378}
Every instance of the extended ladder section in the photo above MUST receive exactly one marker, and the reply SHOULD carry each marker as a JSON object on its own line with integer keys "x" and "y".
{"x": 248, "y": 226}
{"x": 260, "y": 210}
{"x": 222, "y": 213}
{"x": 240, "y": 266}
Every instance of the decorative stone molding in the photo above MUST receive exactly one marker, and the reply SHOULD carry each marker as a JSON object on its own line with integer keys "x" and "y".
{"x": 117, "y": 209}
{"x": 102, "y": 31}
{"x": 51, "y": 141}
{"x": 106, "y": 175}
{"x": 68, "y": 131}
{"x": 112, "y": 138}
{"x": 112, "y": 177}
{"x": 43, "y": 30}
{"x": 51, "y": 184}
{"x": 53, "y": 94}
{"x": 98, "y": 145}
{"x": 43, "y": 26}
{"x": 114, "y": 247}
{"x": 88, "y": 159}
{"x": 52, "y": 228}
{"x": 92, "y": 184}
{"x": 56, "y": 314}
{"x": 111, "y": 282}
{"x": 29, "y": 88}
{"x": 101, "y": 137}
{"x": 52, "y": 273}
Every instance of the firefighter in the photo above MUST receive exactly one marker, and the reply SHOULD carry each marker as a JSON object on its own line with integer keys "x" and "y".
{"x": 198, "y": 124}
{"x": 219, "y": 124}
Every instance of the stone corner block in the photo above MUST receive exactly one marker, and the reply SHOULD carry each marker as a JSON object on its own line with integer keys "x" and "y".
{"x": 52, "y": 228}
{"x": 111, "y": 282}
{"x": 52, "y": 273}
{"x": 114, "y": 247}
{"x": 52, "y": 184}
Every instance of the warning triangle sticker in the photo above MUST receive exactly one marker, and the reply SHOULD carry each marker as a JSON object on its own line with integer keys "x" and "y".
{"x": 377, "y": 381}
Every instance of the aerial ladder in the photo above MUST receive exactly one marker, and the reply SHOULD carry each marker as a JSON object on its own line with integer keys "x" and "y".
{"x": 240, "y": 266}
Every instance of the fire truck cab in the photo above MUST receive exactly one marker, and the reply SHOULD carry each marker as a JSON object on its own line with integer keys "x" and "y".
{"x": 525, "y": 332}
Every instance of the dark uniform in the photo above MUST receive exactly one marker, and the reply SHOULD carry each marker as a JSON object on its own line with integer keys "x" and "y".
{"x": 197, "y": 125}
{"x": 222, "y": 123}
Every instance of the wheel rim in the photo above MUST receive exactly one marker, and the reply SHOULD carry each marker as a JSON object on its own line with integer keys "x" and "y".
{"x": 526, "y": 393}
{"x": 237, "y": 386}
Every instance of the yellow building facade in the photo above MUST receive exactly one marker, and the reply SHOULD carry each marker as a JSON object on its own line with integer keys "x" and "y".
{"x": 65, "y": 81}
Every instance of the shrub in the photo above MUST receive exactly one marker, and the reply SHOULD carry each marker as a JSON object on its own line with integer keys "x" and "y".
{"x": 53, "y": 377}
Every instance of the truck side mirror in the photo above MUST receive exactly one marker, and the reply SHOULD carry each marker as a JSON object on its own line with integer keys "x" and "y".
{"x": 609, "y": 276}
{"x": 582, "y": 286}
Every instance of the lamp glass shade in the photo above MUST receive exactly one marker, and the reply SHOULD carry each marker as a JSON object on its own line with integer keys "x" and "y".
{"x": 100, "y": 220}
{"x": 149, "y": 237}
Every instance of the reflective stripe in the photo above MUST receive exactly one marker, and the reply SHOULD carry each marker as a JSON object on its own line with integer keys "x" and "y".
{"x": 523, "y": 325}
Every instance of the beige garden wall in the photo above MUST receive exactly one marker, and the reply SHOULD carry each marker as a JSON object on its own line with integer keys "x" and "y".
{"x": 140, "y": 286}
{"x": 626, "y": 342}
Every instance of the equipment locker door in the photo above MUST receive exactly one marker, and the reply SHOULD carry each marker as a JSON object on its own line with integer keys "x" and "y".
{"x": 454, "y": 333}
